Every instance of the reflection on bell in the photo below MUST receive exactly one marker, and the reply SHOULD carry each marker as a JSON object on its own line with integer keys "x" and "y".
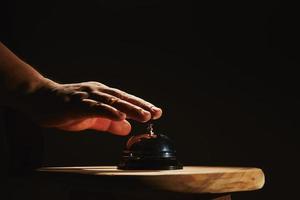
{"x": 149, "y": 151}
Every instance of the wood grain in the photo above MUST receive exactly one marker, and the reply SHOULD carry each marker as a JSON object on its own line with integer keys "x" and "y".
{"x": 191, "y": 179}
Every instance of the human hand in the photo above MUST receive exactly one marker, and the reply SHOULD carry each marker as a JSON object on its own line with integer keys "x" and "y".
{"x": 87, "y": 105}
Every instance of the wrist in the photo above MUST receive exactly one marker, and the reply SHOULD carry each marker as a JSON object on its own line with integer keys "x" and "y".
{"x": 18, "y": 80}
{"x": 19, "y": 93}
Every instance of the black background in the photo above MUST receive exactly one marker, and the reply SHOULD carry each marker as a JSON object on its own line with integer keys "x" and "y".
{"x": 224, "y": 72}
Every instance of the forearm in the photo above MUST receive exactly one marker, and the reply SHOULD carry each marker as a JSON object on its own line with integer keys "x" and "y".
{"x": 16, "y": 77}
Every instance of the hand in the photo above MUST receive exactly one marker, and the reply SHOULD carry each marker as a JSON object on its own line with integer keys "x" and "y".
{"x": 87, "y": 105}
{"x": 72, "y": 107}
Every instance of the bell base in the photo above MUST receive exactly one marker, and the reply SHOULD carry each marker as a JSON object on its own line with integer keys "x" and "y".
{"x": 162, "y": 164}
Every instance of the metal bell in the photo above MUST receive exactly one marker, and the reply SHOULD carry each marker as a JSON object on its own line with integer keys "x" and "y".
{"x": 149, "y": 151}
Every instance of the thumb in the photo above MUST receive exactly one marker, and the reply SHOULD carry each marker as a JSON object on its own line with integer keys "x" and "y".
{"x": 122, "y": 127}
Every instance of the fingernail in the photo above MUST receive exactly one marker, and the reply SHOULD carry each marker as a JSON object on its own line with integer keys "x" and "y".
{"x": 122, "y": 115}
{"x": 157, "y": 113}
{"x": 155, "y": 109}
{"x": 146, "y": 115}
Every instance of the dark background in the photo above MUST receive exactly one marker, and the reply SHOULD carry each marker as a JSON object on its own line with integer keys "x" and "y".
{"x": 224, "y": 72}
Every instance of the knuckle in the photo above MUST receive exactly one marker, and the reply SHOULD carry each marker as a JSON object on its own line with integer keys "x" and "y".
{"x": 94, "y": 93}
{"x": 111, "y": 100}
{"x": 94, "y": 82}
{"x": 86, "y": 88}
{"x": 91, "y": 104}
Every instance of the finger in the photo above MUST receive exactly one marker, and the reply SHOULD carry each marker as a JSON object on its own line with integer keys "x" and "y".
{"x": 91, "y": 108}
{"x": 116, "y": 127}
{"x": 78, "y": 125}
{"x": 80, "y": 95}
{"x": 100, "y": 124}
{"x": 132, "y": 111}
{"x": 155, "y": 111}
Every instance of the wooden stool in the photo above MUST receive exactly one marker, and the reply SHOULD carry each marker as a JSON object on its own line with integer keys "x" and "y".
{"x": 192, "y": 182}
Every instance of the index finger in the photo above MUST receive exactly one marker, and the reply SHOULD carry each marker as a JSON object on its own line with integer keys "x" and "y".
{"x": 155, "y": 111}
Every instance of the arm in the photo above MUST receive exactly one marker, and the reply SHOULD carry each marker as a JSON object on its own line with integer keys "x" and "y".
{"x": 16, "y": 77}
{"x": 72, "y": 107}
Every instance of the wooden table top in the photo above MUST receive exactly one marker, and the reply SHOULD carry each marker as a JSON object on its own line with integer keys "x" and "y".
{"x": 191, "y": 179}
